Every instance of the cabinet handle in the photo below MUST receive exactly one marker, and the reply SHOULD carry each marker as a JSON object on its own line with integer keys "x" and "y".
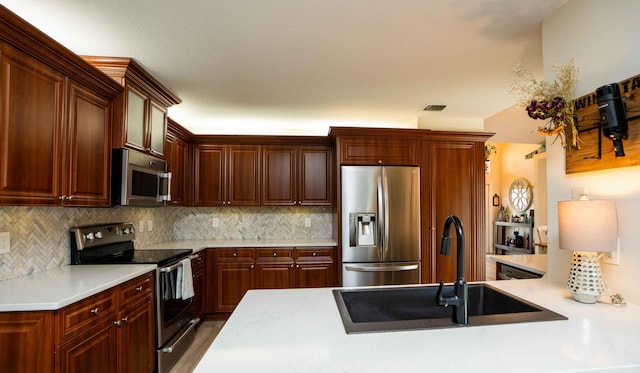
{"x": 95, "y": 311}
{"x": 139, "y": 289}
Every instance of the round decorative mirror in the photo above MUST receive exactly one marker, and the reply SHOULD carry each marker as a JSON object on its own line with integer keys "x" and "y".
{"x": 520, "y": 195}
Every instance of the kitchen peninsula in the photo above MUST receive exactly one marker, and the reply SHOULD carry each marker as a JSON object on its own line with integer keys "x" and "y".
{"x": 300, "y": 330}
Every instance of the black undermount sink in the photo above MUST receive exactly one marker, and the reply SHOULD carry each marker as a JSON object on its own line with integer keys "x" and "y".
{"x": 411, "y": 308}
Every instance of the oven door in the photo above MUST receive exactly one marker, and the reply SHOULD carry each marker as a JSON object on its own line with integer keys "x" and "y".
{"x": 173, "y": 311}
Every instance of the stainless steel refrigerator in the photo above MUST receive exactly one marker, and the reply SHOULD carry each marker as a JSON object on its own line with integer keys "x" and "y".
{"x": 380, "y": 225}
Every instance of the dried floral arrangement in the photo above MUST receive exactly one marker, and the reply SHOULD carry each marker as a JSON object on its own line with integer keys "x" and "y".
{"x": 550, "y": 101}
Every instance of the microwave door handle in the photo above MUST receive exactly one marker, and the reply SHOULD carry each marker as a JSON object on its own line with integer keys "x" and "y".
{"x": 162, "y": 196}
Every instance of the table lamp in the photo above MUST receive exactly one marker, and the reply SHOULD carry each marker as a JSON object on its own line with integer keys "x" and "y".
{"x": 588, "y": 228}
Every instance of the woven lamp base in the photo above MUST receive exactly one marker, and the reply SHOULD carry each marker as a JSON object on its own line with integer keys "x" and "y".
{"x": 585, "y": 278}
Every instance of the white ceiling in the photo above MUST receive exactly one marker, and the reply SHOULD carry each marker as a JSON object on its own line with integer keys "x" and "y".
{"x": 300, "y": 66}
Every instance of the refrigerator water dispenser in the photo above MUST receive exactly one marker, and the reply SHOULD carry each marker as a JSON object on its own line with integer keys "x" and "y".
{"x": 362, "y": 229}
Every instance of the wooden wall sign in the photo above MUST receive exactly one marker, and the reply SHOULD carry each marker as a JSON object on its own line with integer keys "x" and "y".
{"x": 596, "y": 151}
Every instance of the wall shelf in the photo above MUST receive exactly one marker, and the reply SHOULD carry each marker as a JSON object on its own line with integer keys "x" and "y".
{"x": 500, "y": 238}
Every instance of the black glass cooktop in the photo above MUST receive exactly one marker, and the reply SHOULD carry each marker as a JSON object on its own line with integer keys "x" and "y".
{"x": 159, "y": 257}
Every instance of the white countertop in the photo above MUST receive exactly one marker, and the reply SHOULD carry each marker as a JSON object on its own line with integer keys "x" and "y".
{"x": 536, "y": 263}
{"x": 300, "y": 330}
{"x": 59, "y": 287}
{"x": 197, "y": 245}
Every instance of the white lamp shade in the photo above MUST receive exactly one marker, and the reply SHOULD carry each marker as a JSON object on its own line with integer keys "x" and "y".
{"x": 589, "y": 225}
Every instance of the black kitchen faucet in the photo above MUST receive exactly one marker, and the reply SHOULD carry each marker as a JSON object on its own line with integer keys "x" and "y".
{"x": 459, "y": 298}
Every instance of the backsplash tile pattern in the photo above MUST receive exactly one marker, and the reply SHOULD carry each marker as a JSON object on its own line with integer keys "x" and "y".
{"x": 238, "y": 223}
{"x": 40, "y": 235}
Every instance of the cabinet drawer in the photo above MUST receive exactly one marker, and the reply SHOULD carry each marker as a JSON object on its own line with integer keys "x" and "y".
{"x": 136, "y": 289}
{"x": 87, "y": 313}
{"x": 236, "y": 255}
{"x": 315, "y": 254}
{"x": 274, "y": 255}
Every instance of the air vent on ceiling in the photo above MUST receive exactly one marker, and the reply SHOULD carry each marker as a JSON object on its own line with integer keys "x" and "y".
{"x": 434, "y": 107}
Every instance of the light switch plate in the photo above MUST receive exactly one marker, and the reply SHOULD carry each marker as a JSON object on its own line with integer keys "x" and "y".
{"x": 149, "y": 225}
{"x": 141, "y": 226}
{"x": 5, "y": 242}
{"x": 612, "y": 257}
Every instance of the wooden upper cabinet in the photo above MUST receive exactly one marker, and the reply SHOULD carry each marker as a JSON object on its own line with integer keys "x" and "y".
{"x": 141, "y": 110}
{"x": 295, "y": 175}
{"x": 87, "y": 179}
{"x": 177, "y": 156}
{"x": 31, "y": 130}
{"x": 48, "y": 160}
{"x": 376, "y": 146}
{"x": 315, "y": 176}
{"x": 226, "y": 175}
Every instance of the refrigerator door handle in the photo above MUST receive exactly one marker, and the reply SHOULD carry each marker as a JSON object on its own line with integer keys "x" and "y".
{"x": 382, "y": 221}
{"x": 385, "y": 213}
{"x": 387, "y": 268}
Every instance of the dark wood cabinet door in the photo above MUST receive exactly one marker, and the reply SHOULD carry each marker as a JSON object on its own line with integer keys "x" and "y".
{"x": 378, "y": 150}
{"x": 88, "y": 166}
{"x": 209, "y": 178}
{"x": 31, "y": 130}
{"x": 279, "y": 175}
{"x": 233, "y": 281}
{"x": 275, "y": 275}
{"x": 199, "y": 285}
{"x": 136, "y": 340}
{"x": 315, "y": 267}
{"x": 243, "y": 175}
{"x": 454, "y": 186}
{"x": 26, "y": 342}
{"x": 177, "y": 154}
{"x": 274, "y": 268}
{"x": 315, "y": 176}
{"x": 95, "y": 351}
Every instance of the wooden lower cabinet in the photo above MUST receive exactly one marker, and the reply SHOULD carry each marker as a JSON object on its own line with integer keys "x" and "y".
{"x": 112, "y": 331}
{"x": 26, "y": 342}
{"x": 199, "y": 285}
{"x": 232, "y": 272}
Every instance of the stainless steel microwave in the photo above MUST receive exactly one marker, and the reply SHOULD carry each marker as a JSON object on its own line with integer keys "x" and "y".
{"x": 139, "y": 179}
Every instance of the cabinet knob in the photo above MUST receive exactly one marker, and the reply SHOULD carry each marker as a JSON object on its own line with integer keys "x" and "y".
{"x": 125, "y": 319}
{"x": 70, "y": 198}
{"x": 95, "y": 311}
{"x": 139, "y": 289}
{"x": 62, "y": 198}
{"x": 275, "y": 254}
{"x": 116, "y": 323}
{"x": 380, "y": 161}
{"x": 314, "y": 254}
{"x": 252, "y": 266}
{"x": 235, "y": 254}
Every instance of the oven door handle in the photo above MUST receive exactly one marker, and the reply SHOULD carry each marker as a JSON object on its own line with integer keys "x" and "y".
{"x": 169, "y": 349}
{"x": 170, "y": 268}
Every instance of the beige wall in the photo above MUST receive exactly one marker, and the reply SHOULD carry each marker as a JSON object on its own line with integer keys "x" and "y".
{"x": 601, "y": 37}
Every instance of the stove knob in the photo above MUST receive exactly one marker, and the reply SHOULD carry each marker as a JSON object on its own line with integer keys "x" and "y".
{"x": 98, "y": 234}
{"x": 89, "y": 236}
{"x": 127, "y": 230}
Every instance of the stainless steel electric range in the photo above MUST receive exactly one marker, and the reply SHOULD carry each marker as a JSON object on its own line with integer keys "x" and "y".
{"x": 114, "y": 244}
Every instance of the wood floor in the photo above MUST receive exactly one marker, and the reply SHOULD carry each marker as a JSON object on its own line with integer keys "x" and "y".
{"x": 205, "y": 334}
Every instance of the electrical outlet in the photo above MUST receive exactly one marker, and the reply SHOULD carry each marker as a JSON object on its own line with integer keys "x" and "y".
{"x": 5, "y": 242}
{"x": 612, "y": 257}
{"x": 141, "y": 226}
{"x": 307, "y": 222}
{"x": 215, "y": 222}
{"x": 149, "y": 225}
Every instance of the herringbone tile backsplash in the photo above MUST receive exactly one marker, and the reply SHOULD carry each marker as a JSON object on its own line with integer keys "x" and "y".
{"x": 40, "y": 235}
